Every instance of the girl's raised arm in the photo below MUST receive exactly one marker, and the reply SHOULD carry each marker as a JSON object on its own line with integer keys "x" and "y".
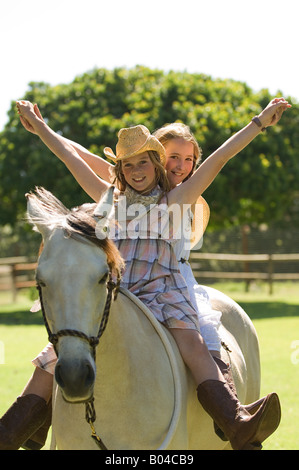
{"x": 100, "y": 166}
{"x": 188, "y": 192}
{"x": 90, "y": 182}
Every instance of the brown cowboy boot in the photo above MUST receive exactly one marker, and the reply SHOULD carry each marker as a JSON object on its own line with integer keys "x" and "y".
{"x": 225, "y": 369}
{"x": 38, "y": 439}
{"x": 244, "y": 431}
{"x": 21, "y": 420}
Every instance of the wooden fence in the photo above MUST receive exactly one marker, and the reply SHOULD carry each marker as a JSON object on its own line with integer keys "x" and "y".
{"x": 18, "y": 273}
{"x": 270, "y": 260}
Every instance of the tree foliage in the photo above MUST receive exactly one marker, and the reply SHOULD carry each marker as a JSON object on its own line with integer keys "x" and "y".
{"x": 258, "y": 186}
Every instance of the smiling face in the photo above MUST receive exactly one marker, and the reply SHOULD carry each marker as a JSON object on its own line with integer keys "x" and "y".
{"x": 139, "y": 172}
{"x": 179, "y": 160}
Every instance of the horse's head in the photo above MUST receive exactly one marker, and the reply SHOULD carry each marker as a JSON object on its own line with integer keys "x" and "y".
{"x": 72, "y": 274}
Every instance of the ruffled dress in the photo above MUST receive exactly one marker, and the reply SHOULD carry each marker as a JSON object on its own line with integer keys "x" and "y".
{"x": 209, "y": 319}
{"x": 152, "y": 270}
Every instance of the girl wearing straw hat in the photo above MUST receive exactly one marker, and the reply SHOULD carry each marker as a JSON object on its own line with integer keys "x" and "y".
{"x": 138, "y": 164}
{"x": 182, "y": 154}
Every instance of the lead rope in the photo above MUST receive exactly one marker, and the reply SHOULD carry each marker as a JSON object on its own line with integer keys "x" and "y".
{"x": 90, "y": 416}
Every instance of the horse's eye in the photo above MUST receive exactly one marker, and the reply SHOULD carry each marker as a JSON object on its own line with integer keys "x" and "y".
{"x": 40, "y": 283}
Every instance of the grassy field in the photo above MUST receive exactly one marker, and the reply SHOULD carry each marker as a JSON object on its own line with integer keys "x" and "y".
{"x": 276, "y": 318}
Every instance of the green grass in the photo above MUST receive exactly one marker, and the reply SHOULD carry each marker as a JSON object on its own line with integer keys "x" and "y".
{"x": 23, "y": 336}
{"x": 280, "y": 374}
{"x": 275, "y": 317}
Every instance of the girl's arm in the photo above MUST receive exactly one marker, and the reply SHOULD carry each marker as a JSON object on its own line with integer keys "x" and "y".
{"x": 100, "y": 166}
{"x": 90, "y": 182}
{"x": 188, "y": 192}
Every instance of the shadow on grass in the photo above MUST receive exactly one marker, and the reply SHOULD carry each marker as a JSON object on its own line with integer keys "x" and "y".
{"x": 265, "y": 309}
{"x": 255, "y": 310}
{"x": 20, "y": 317}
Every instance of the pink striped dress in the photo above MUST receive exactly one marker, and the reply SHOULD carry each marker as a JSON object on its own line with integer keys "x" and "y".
{"x": 152, "y": 271}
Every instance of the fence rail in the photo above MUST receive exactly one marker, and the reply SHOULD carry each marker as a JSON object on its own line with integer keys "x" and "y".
{"x": 18, "y": 272}
{"x": 270, "y": 275}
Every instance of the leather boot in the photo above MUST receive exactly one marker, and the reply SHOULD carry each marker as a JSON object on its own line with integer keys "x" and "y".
{"x": 38, "y": 439}
{"x": 225, "y": 369}
{"x": 21, "y": 420}
{"x": 243, "y": 430}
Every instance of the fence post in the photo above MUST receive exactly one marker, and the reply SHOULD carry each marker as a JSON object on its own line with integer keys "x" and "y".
{"x": 270, "y": 274}
{"x": 245, "y": 230}
{"x": 13, "y": 283}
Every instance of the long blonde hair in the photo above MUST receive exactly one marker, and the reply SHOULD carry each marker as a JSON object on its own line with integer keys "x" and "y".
{"x": 161, "y": 177}
{"x": 178, "y": 130}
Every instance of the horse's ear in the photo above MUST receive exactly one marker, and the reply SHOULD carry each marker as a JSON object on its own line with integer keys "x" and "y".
{"x": 36, "y": 216}
{"x": 104, "y": 212}
{"x": 105, "y": 206}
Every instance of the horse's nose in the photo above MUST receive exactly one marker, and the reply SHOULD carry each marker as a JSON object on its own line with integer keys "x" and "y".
{"x": 76, "y": 379}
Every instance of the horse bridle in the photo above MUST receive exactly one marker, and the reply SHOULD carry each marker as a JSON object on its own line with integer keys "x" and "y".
{"x": 92, "y": 340}
{"x": 112, "y": 288}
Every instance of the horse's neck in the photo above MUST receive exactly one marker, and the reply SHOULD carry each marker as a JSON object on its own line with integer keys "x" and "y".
{"x": 130, "y": 340}
{"x": 114, "y": 337}
{"x": 119, "y": 335}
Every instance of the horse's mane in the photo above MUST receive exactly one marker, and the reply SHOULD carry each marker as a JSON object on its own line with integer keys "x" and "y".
{"x": 78, "y": 221}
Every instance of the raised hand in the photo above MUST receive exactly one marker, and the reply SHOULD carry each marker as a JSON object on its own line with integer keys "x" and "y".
{"x": 273, "y": 112}
{"x": 29, "y": 114}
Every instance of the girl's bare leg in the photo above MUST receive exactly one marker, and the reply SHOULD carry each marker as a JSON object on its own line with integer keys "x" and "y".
{"x": 196, "y": 355}
{"x": 232, "y": 420}
{"x": 40, "y": 383}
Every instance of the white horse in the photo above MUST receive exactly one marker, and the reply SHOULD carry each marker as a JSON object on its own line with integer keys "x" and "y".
{"x": 144, "y": 397}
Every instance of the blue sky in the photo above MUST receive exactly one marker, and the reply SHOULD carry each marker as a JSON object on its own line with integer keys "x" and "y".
{"x": 53, "y": 41}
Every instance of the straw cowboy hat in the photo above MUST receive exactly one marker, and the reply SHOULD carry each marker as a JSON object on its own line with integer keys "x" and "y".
{"x": 201, "y": 216}
{"x": 133, "y": 141}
